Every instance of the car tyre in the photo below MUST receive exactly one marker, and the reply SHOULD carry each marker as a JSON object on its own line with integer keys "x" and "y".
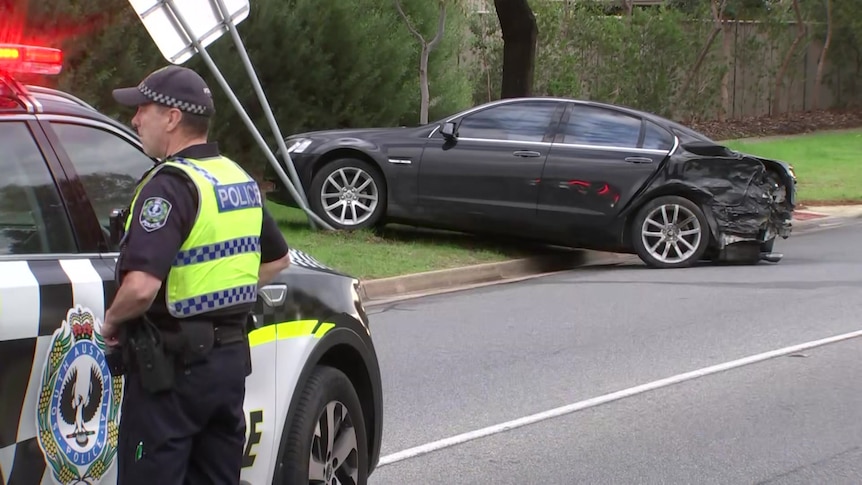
{"x": 328, "y": 405}
{"x": 348, "y": 187}
{"x": 670, "y": 232}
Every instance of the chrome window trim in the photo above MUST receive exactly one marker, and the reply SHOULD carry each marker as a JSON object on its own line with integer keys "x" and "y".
{"x": 513, "y": 142}
{"x": 582, "y": 146}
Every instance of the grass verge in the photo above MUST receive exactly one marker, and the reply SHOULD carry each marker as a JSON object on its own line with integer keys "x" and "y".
{"x": 828, "y": 166}
{"x": 393, "y": 251}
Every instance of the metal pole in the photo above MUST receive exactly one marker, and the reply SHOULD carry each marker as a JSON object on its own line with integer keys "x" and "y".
{"x": 267, "y": 109}
{"x": 246, "y": 119}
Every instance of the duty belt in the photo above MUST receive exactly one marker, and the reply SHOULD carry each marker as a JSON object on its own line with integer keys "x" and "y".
{"x": 229, "y": 334}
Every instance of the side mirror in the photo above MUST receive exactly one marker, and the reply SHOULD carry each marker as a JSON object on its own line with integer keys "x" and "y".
{"x": 448, "y": 130}
{"x": 117, "y": 226}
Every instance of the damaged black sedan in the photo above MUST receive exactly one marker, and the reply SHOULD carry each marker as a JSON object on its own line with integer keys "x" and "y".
{"x": 558, "y": 171}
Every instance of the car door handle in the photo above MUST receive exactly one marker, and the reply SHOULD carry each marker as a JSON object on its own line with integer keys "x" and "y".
{"x": 639, "y": 159}
{"x": 526, "y": 153}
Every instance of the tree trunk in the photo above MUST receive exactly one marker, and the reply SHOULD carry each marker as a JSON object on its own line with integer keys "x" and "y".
{"x": 628, "y": 7}
{"x": 784, "y": 65}
{"x": 423, "y": 85}
{"x": 518, "y": 25}
{"x": 725, "y": 80}
{"x": 819, "y": 80}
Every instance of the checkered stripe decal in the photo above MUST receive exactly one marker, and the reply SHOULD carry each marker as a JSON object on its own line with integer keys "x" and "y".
{"x": 42, "y": 291}
{"x": 300, "y": 258}
{"x": 214, "y": 301}
{"x": 202, "y": 254}
{"x": 172, "y": 102}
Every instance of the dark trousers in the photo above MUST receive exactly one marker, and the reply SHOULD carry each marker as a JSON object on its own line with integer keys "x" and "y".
{"x": 192, "y": 434}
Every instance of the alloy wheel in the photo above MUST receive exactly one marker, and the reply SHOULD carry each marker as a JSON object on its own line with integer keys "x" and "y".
{"x": 334, "y": 458}
{"x": 349, "y": 196}
{"x": 671, "y": 233}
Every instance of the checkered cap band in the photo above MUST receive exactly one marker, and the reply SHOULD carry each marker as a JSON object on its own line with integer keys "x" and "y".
{"x": 172, "y": 102}
{"x": 214, "y": 301}
{"x": 224, "y": 249}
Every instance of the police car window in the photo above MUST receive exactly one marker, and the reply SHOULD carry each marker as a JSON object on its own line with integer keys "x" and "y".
{"x": 108, "y": 166}
{"x": 30, "y": 203}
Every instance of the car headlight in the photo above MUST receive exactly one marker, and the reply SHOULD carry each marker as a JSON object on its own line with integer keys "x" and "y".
{"x": 299, "y": 145}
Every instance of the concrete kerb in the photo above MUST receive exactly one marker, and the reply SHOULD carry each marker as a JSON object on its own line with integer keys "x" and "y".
{"x": 811, "y": 218}
{"x": 386, "y": 290}
{"x": 380, "y": 291}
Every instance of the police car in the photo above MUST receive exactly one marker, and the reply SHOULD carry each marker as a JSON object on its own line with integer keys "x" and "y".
{"x": 313, "y": 402}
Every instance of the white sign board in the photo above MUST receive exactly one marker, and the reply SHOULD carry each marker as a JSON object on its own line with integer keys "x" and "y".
{"x": 202, "y": 16}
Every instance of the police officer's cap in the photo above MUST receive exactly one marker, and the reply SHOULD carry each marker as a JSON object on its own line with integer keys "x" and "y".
{"x": 173, "y": 86}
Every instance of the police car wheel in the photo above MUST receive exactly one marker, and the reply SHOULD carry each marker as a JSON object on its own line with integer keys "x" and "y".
{"x": 348, "y": 193}
{"x": 327, "y": 441}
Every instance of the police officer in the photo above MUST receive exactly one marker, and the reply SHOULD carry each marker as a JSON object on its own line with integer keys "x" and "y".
{"x": 198, "y": 244}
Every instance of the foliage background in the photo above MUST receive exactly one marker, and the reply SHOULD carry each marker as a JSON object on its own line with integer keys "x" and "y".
{"x": 322, "y": 65}
{"x": 353, "y": 63}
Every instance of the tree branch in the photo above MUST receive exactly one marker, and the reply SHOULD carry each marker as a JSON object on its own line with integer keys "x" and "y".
{"x": 717, "y": 13}
{"x": 441, "y": 26}
{"x": 783, "y": 71}
{"x": 407, "y": 21}
{"x": 819, "y": 79}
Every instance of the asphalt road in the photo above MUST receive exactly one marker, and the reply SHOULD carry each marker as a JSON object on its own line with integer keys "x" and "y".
{"x": 468, "y": 361}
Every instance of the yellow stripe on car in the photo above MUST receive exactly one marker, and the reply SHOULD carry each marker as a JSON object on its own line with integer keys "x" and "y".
{"x": 286, "y": 330}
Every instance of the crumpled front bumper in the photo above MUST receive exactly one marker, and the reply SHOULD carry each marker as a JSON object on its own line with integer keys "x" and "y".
{"x": 758, "y": 206}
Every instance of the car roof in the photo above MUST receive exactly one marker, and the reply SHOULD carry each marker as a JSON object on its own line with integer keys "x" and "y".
{"x": 43, "y": 100}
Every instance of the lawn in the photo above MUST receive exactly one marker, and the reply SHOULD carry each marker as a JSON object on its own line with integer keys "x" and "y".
{"x": 394, "y": 251}
{"x": 828, "y": 166}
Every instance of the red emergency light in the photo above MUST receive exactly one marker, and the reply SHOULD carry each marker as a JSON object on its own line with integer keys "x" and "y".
{"x": 30, "y": 59}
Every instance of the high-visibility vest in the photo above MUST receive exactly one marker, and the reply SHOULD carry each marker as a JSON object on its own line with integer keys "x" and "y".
{"x": 217, "y": 265}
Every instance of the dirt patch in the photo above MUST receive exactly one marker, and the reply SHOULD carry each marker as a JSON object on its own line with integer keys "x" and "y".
{"x": 807, "y": 216}
{"x": 783, "y": 124}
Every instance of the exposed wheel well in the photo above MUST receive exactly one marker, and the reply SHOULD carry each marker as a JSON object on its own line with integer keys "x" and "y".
{"x": 347, "y": 359}
{"x": 343, "y": 153}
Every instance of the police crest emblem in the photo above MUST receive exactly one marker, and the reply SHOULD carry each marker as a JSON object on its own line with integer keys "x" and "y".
{"x": 154, "y": 213}
{"x": 78, "y": 413}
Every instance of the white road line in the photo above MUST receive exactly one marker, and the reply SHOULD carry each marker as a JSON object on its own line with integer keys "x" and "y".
{"x": 578, "y": 406}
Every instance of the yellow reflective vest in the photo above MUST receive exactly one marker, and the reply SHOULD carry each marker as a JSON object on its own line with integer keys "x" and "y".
{"x": 217, "y": 265}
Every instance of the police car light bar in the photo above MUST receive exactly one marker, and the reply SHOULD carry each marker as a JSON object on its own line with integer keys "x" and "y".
{"x": 30, "y": 59}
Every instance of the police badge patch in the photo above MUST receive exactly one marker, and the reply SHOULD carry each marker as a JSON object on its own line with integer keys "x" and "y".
{"x": 79, "y": 404}
{"x": 154, "y": 213}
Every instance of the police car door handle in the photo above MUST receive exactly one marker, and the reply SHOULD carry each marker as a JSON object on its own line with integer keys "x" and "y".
{"x": 273, "y": 295}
